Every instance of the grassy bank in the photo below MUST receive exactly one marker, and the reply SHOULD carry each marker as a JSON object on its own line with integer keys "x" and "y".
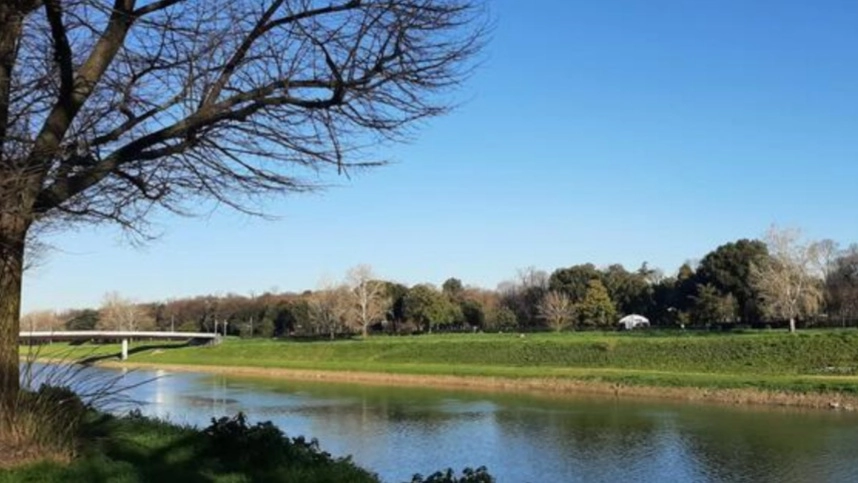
{"x": 812, "y": 362}
{"x": 137, "y": 449}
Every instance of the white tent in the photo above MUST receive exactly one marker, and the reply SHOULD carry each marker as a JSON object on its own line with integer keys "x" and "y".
{"x": 633, "y": 321}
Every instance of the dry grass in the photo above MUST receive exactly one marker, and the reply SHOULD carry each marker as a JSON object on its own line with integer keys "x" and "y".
{"x": 34, "y": 431}
{"x": 46, "y": 417}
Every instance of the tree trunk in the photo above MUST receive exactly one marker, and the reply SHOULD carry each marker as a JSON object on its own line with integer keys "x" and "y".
{"x": 13, "y": 232}
{"x": 792, "y": 325}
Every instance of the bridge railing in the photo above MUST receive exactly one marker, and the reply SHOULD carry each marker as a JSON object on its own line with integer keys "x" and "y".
{"x": 123, "y": 336}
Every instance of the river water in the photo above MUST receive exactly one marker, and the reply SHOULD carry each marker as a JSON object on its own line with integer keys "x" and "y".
{"x": 397, "y": 432}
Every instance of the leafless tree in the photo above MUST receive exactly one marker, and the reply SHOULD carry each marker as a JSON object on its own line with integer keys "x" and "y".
{"x": 111, "y": 110}
{"x": 42, "y": 320}
{"x": 827, "y": 253}
{"x": 789, "y": 280}
{"x": 557, "y": 309}
{"x": 331, "y": 309}
{"x": 118, "y": 313}
{"x": 531, "y": 277}
{"x": 370, "y": 296}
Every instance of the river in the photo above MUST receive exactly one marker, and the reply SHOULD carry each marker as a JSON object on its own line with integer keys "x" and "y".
{"x": 397, "y": 432}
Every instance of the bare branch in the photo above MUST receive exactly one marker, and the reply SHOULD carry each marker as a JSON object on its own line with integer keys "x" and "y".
{"x": 62, "y": 50}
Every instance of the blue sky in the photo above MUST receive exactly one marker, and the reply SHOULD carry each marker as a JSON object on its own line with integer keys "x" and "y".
{"x": 611, "y": 131}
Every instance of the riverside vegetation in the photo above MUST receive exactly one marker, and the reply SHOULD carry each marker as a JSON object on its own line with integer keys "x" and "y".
{"x": 62, "y": 439}
{"x": 821, "y": 363}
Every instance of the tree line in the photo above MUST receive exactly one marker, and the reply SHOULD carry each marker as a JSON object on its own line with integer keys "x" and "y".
{"x": 780, "y": 280}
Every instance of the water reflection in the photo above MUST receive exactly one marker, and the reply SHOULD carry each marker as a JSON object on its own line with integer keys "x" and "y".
{"x": 399, "y": 431}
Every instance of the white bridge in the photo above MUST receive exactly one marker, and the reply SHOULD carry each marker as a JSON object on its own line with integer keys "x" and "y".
{"x": 123, "y": 336}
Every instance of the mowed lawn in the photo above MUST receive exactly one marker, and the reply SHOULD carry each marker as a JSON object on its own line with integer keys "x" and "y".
{"x": 810, "y": 361}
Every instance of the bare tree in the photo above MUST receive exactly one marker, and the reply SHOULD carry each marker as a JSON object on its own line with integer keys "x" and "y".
{"x": 42, "y": 320}
{"x": 108, "y": 111}
{"x": 331, "y": 309}
{"x": 827, "y": 252}
{"x": 788, "y": 280}
{"x": 118, "y": 313}
{"x": 370, "y": 296}
{"x": 532, "y": 277}
{"x": 557, "y": 309}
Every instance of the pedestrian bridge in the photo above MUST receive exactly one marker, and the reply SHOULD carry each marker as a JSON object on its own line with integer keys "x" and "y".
{"x": 123, "y": 336}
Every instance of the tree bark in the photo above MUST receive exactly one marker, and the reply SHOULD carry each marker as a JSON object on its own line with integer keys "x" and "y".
{"x": 10, "y": 31}
{"x": 13, "y": 233}
{"x": 792, "y": 325}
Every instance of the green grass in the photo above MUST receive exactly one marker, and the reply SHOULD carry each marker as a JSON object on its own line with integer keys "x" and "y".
{"x": 135, "y": 449}
{"x": 811, "y": 361}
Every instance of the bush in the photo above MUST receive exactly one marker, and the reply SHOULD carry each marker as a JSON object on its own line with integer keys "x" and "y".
{"x": 469, "y": 475}
{"x": 43, "y": 424}
{"x": 239, "y": 445}
{"x": 262, "y": 447}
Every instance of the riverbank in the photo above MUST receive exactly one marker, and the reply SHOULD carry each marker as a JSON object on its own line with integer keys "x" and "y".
{"x": 811, "y": 369}
{"x": 139, "y": 449}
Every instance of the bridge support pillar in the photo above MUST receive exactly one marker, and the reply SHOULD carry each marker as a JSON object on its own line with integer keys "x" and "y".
{"x": 124, "y": 349}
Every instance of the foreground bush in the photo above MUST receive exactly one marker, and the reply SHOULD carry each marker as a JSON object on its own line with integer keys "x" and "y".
{"x": 42, "y": 424}
{"x": 469, "y": 475}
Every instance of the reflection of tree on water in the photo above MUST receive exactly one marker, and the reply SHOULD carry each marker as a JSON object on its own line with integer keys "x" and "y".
{"x": 216, "y": 405}
{"x": 593, "y": 442}
{"x": 773, "y": 447}
{"x": 527, "y": 438}
{"x": 418, "y": 428}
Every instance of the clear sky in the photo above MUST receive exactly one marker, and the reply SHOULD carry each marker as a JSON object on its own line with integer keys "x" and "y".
{"x": 596, "y": 131}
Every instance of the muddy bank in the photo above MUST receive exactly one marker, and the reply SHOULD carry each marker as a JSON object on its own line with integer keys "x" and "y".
{"x": 554, "y": 386}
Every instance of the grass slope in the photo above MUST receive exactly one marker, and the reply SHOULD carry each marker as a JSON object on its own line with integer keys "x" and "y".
{"x": 811, "y": 361}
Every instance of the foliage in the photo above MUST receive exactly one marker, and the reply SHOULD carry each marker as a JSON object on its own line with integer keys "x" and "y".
{"x": 712, "y": 307}
{"x": 138, "y": 448}
{"x": 396, "y": 293}
{"x": 469, "y": 475}
{"x": 261, "y": 446}
{"x": 574, "y": 281}
{"x": 83, "y": 320}
{"x": 429, "y": 308}
{"x": 596, "y": 308}
{"x": 715, "y": 292}
{"x": 473, "y": 313}
{"x": 630, "y": 292}
{"x": 452, "y": 288}
{"x": 266, "y": 328}
{"x": 502, "y": 318}
{"x": 523, "y": 296}
{"x": 841, "y": 283}
{"x": 728, "y": 269}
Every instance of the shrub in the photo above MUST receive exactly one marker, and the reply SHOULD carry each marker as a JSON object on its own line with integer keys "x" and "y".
{"x": 239, "y": 445}
{"x": 43, "y": 424}
{"x": 262, "y": 447}
{"x": 469, "y": 475}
